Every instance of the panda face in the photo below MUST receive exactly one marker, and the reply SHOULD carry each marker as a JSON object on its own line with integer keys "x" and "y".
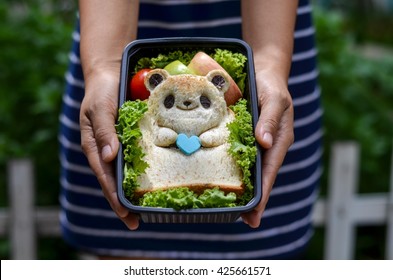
{"x": 188, "y": 103}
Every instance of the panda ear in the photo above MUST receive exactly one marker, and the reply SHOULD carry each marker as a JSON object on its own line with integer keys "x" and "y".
{"x": 219, "y": 79}
{"x": 154, "y": 78}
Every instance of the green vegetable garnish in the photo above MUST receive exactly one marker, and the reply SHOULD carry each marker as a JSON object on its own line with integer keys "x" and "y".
{"x": 242, "y": 142}
{"x": 129, "y": 135}
{"x": 183, "y": 198}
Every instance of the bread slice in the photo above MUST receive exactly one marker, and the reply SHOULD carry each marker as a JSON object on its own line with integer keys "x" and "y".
{"x": 170, "y": 168}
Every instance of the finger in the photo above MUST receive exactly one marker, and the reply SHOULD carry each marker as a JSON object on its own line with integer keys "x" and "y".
{"x": 252, "y": 218}
{"x": 131, "y": 221}
{"x": 105, "y": 176}
{"x": 273, "y": 105}
{"x": 109, "y": 189}
{"x": 109, "y": 149}
{"x": 104, "y": 129}
{"x": 110, "y": 192}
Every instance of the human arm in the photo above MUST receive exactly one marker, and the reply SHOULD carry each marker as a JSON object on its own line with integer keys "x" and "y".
{"x": 268, "y": 27}
{"x": 106, "y": 28}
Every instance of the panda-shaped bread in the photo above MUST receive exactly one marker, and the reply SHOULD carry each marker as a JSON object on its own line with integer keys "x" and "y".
{"x": 184, "y": 134}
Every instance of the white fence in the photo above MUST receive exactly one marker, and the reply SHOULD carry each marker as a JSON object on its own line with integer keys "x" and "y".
{"x": 339, "y": 213}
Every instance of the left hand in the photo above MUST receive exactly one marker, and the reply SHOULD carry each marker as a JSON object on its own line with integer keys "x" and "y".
{"x": 98, "y": 135}
{"x": 274, "y": 132}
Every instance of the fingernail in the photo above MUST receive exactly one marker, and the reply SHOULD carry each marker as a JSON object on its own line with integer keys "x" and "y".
{"x": 106, "y": 152}
{"x": 121, "y": 212}
{"x": 268, "y": 139}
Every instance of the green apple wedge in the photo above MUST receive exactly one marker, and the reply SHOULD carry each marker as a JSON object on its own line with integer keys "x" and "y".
{"x": 177, "y": 67}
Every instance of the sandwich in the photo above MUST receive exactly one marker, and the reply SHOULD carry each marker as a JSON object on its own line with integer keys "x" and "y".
{"x": 189, "y": 143}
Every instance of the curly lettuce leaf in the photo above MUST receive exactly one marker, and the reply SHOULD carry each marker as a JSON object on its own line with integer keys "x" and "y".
{"x": 129, "y": 135}
{"x": 184, "y": 198}
{"x": 214, "y": 198}
{"x": 242, "y": 144}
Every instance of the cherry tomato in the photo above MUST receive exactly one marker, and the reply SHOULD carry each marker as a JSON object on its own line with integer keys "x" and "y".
{"x": 137, "y": 89}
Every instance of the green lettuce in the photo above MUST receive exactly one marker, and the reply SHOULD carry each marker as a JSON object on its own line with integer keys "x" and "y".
{"x": 129, "y": 135}
{"x": 184, "y": 198}
{"x": 242, "y": 144}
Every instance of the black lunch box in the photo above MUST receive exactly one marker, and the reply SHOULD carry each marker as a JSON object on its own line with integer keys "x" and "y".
{"x": 151, "y": 48}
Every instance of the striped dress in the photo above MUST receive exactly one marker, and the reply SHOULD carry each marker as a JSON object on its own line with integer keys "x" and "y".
{"x": 89, "y": 224}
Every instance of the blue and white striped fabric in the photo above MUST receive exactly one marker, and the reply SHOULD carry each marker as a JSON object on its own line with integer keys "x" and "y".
{"x": 87, "y": 220}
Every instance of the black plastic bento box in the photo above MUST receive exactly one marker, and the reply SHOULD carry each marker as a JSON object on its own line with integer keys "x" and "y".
{"x": 151, "y": 48}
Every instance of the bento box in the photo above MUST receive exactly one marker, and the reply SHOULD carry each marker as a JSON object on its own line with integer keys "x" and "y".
{"x": 182, "y": 141}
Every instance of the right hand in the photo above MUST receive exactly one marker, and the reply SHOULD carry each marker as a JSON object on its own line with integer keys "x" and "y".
{"x": 98, "y": 135}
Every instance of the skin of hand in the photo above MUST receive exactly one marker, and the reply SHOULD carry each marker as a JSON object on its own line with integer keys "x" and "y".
{"x": 268, "y": 27}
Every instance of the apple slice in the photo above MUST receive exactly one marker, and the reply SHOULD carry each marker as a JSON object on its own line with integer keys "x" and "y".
{"x": 176, "y": 68}
{"x": 201, "y": 64}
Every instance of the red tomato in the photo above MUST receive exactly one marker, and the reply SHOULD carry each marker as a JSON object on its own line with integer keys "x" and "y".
{"x": 137, "y": 89}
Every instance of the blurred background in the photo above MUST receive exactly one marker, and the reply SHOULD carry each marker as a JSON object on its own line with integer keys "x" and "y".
{"x": 355, "y": 45}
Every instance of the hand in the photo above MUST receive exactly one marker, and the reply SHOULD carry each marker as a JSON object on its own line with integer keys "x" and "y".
{"x": 98, "y": 135}
{"x": 274, "y": 132}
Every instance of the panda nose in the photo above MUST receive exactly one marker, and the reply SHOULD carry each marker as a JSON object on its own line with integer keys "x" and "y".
{"x": 187, "y": 103}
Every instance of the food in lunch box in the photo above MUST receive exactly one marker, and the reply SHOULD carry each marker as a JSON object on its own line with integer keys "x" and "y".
{"x": 184, "y": 145}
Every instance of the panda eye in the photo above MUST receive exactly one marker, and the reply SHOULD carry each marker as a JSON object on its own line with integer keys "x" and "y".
{"x": 205, "y": 101}
{"x": 169, "y": 101}
{"x": 218, "y": 81}
{"x": 155, "y": 80}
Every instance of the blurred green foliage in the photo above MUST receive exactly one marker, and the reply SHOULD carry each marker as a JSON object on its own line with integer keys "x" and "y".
{"x": 35, "y": 38}
{"x": 357, "y": 96}
{"x": 366, "y": 20}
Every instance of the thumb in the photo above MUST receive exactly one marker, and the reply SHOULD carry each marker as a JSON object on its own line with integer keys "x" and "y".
{"x": 275, "y": 104}
{"x": 109, "y": 150}
{"x": 268, "y": 124}
{"x": 102, "y": 123}
{"x": 105, "y": 133}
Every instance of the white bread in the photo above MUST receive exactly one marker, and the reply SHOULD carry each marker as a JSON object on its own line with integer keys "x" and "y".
{"x": 169, "y": 167}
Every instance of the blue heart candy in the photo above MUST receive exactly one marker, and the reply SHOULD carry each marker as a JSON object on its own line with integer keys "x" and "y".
{"x": 188, "y": 145}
